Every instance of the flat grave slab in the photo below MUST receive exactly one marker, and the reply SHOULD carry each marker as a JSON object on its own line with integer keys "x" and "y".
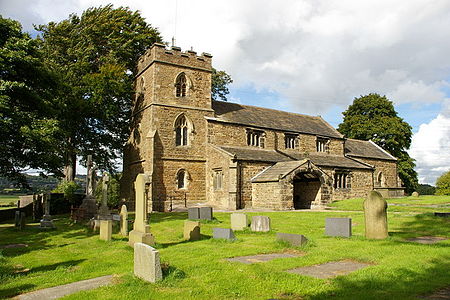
{"x": 427, "y": 239}
{"x": 14, "y": 246}
{"x": 330, "y": 269}
{"x": 251, "y": 259}
{"x": 440, "y": 294}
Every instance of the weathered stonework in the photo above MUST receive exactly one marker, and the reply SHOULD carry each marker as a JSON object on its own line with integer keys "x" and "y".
{"x": 216, "y": 159}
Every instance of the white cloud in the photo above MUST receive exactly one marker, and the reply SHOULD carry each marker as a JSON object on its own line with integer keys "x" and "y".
{"x": 430, "y": 147}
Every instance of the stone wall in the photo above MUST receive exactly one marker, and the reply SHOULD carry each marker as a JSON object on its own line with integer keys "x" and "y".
{"x": 387, "y": 167}
{"x": 247, "y": 171}
{"x": 219, "y": 160}
{"x": 226, "y": 134}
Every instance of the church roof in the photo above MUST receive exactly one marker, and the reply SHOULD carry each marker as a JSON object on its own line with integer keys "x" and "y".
{"x": 272, "y": 119}
{"x": 251, "y": 154}
{"x": 366, "y": 149}
{"x": 278, "y": 170}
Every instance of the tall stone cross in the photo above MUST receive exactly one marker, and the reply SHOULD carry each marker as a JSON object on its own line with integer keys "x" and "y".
{"x": 375, "y": 216}
{"x": 90, "y": 178}
{"x": 141, "y": 229}
{"x": 104, "y": 211}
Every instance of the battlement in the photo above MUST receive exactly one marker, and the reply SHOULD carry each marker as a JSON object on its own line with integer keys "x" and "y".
{"x": 174, "y": 56}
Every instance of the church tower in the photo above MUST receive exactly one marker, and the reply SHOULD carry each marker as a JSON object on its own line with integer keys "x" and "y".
{"x": 169, "y": 128}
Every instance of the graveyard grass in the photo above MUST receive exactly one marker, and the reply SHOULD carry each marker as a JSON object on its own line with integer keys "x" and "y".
{"x": 199, "y": 270}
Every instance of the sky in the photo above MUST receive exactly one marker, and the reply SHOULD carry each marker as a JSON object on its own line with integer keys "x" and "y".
{"x": 310, "y": 56}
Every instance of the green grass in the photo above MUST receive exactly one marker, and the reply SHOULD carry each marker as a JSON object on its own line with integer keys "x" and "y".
{"x": 8, "y": 201}
{"x": 198, "y": 270}
{"x": 406, "y": 204}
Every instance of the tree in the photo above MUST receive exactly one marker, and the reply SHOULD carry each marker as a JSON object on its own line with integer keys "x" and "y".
{"x": 426, "y": 189}
{"x": 28, "y": 131}
{"x": 95, "y": 57}
{"x": 373, "y": 117}
{"x": 219, "y": 89}
{"x": 443, "y": 184}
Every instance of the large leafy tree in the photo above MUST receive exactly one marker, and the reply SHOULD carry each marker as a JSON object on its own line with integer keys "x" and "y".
{"x": 443, "y": 184}
{"x": 95, "y": 57}
{"x": 28, "y": 131}
{"x": 219, "y": 85}
{"x": 373, "y": 117}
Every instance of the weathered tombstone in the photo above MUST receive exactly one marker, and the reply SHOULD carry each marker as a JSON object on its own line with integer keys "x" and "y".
{"x": 293, "y": 239}
{"x": 105, "y": 230}
{"x": 46, "y": 222}
{"x": 239, "y": 221}
{"x": 104, "y": 212}
{"x": 124, "y": 220}
{"x": 223, "y": 233}
{"x": 141, "y": 228}
{"x": 146, "y": 263}
{"x": 206, "y": 213}
{"x": 17, "y": 218}
{"x": 37, "y": 207}
{"x": 260, "y": 224}
{"x": 89, "y": 205}
{"x": 191, "y": 230}
{"x": 415, "y": 194}
{"x": 375, "y": 216}
{"x": 338, "y": 227}
{"x": 193, "y": 213}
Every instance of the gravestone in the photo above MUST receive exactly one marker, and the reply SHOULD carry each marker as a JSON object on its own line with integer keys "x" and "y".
{"x": 206, "y": 213}
{"x": 375, "y": 216}
{"x": 223, "y": 233}
{"x": 46, "y": 222}
{"x": 338, "y": 227}
{"x": 239, "y": 221}
{"x": 19, "y": 220}
{"x": 103, "y": 212}
{"x": 415, "y": 194}
{"x": 191, "y": 230}
{"x": 105, "y": 230}
{"x": 124, "y": 220}
{"x": 89, "y": 205}
{"x": 147, "y": 263}
{"x": 141, "y": 228}
{"x": 442, "y": 214}
{"x": 330, "y": 269}
{"x": 37, "y": 207}
{"x": 295, "y": 240}
{"x": 260, "y": 224}
{"x": 193, "y": 213}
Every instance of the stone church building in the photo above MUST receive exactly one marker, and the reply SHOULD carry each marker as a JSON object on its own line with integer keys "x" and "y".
{"x": 232, "y": 156}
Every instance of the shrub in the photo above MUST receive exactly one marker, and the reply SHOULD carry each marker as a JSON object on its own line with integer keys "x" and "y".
{"x": 68, "y": 188}
{"x": 113, "y": 190}
{"x": 443, "y": 184}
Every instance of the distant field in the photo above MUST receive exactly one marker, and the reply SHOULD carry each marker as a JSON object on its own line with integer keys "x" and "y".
{"x": 6, "y": 200}
{"x": 426, "y": 203}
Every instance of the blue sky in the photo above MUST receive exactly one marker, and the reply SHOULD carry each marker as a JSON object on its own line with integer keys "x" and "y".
{"x": 311, "y": 56}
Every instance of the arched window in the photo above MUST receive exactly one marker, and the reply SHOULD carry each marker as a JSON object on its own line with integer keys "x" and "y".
{"x": 181, "y": 85}
{"x": 182, "y": 179}
{"x": 380, "y": 180}
{"x": 142, "y": 84}
{"x": 181, "y": 131}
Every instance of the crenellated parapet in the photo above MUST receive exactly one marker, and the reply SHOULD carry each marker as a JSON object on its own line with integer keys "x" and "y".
{"x": 174, "y": 56}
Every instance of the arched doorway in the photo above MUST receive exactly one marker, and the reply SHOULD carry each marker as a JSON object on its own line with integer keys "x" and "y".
{"x": 306, "y": 189}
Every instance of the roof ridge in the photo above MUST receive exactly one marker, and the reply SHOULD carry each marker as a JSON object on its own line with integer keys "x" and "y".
{"x": 266, "y": 108}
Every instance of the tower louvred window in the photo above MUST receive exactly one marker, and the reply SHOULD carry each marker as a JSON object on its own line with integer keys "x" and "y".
{"x": 181, "y": 85}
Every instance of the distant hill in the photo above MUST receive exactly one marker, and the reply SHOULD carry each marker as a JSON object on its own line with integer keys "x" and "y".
{"x": 38, "y": 184}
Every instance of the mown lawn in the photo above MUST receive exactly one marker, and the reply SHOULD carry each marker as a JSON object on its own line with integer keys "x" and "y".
{"x": 421, "y": 204}
{"x": 198, "y": 270}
